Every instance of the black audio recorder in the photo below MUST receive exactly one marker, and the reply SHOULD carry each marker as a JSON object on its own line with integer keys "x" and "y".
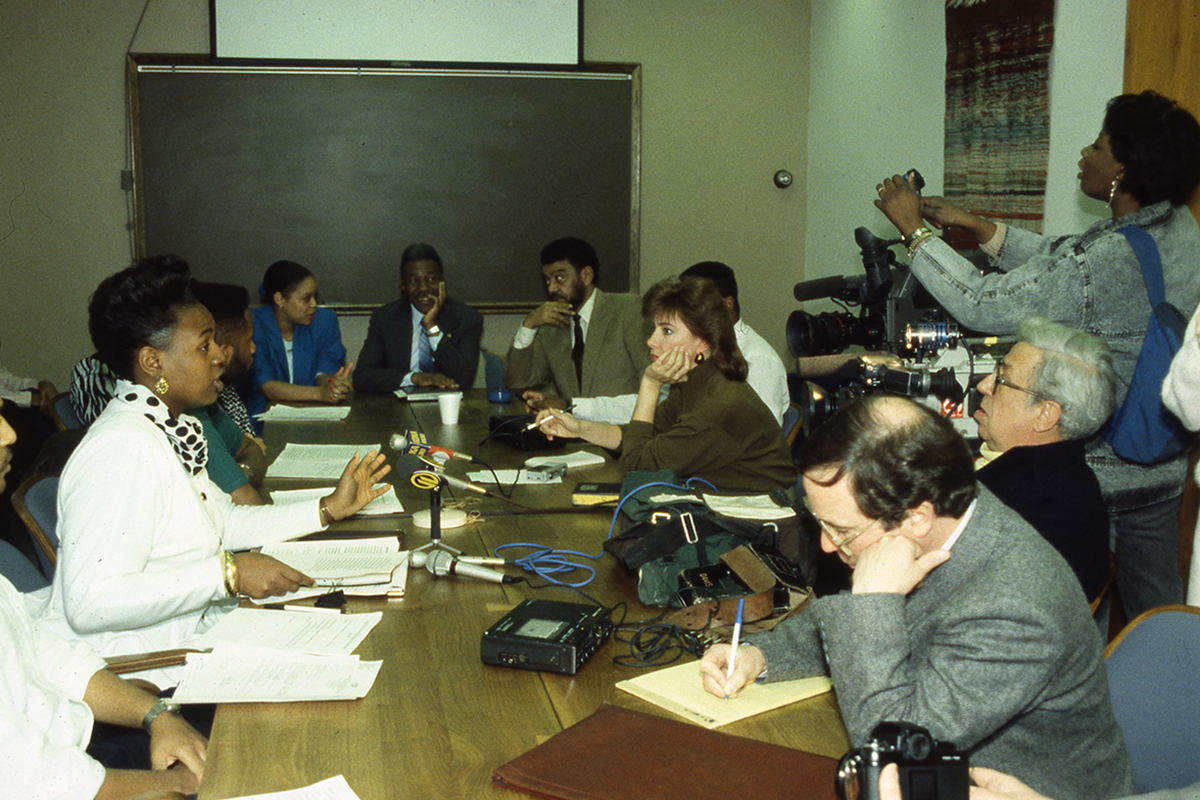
{"x": 546, "y": 635}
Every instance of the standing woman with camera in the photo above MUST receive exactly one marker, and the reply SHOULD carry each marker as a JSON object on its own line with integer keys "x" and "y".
{"x": 1145, "y": 164}
{"x": 299, "y": 355}
{"x": 712, "y": 425}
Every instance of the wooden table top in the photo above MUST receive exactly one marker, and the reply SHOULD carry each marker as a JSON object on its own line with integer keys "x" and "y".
{"x": 438, "y": 720}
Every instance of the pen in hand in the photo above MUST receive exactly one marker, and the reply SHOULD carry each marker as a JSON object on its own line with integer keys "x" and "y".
{"x": 533, "y": 425}
{"x": 733, "y": 646}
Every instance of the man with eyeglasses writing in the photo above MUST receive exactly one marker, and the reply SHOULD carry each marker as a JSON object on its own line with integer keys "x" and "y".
{"x": 1048, "y": 395}
{"x": 961, "y": 618}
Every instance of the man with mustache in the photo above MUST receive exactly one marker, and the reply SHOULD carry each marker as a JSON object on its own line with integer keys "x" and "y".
{"x": 583, "y": 347}
{"x": 424, "y": 339}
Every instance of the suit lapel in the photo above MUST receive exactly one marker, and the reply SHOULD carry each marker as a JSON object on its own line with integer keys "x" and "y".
{"x": 598, "y": 331}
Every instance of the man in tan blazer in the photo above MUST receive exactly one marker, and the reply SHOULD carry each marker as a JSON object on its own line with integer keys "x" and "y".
{"x": 582, "y": 347}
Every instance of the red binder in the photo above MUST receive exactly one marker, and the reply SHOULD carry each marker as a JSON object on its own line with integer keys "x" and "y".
{"x": 617, "y": 754}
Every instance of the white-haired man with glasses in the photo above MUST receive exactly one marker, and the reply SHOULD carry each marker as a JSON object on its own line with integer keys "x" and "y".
{"x": 1048, "y": 395}
{"x": 961, "y": 618}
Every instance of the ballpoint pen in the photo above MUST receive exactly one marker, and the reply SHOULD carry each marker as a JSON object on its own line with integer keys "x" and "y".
{"x": 538, "y": 424}
{"x": 737, "y": 634}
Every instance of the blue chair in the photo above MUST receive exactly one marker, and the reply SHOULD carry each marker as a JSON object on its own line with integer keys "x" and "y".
{"x": 36, "y": 503}
{"x": 1154, "y": 676}
{"x": 493, "y": 369}
{"x": 62, "y": 412}
{"x": 19, "y": 570}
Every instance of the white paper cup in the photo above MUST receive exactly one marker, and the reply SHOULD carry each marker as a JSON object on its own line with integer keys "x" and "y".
{"x": 449, "y": 405}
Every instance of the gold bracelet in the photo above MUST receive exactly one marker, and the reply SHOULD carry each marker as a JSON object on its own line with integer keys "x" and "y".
{"x": 921, "y": 230}
{"x": 229, "y": 568}
{"x": 917, "y": 241}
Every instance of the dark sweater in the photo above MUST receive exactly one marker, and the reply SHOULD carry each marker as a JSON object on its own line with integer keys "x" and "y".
{"x": 1054, "y": 490}
{"x": 713, "y": 428}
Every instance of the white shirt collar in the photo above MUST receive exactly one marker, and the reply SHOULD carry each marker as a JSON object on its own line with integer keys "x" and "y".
{"x": 962, "y": 525}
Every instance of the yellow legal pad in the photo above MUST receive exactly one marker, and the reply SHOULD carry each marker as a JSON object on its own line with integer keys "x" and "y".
{"x": 678, "y": 689}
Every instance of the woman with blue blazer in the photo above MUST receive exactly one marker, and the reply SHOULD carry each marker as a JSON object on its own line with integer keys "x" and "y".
{"x": 299, "y": 353}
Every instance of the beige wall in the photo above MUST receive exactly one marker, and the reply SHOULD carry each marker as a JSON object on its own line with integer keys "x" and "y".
{"x": 725, "y": 88}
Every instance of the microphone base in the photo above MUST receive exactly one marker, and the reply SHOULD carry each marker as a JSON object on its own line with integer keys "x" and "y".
{"x": 450, "y": 518}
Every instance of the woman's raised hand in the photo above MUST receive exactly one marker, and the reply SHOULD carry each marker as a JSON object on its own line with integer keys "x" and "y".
{"x": 356, "y": 487}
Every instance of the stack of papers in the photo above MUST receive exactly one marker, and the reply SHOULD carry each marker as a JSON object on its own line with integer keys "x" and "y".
{"x": 360, "y": 567}
{"x": 261, "y": 656}
{"x": 384, "y": 504}
{"x": 316, "y": 461}
{"x": 237, "y": 673}
{"x": 309, "y": 414}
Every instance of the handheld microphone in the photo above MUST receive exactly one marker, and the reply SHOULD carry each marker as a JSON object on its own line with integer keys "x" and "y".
{"x": 417, "y": 444}
{"x": 418, "y": 558}
{"x": 440, "y": 563}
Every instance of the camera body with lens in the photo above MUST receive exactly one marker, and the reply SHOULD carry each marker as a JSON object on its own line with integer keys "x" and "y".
{"x": 940, "y": 363}
{"x": 929, "y": 769}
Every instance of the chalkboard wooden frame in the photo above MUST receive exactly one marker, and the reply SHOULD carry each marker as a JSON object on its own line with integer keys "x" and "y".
{"x": 238, "y": 166}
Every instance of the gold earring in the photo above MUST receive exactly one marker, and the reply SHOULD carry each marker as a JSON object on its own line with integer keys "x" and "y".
{"x": 162, "y": 387}
{"x": 1113, "y": 191}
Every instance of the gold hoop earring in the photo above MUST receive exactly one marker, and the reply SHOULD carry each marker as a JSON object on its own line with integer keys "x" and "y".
{"x": 162, "y": 387}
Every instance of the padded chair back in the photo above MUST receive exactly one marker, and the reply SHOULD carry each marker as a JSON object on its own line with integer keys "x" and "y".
{"x": 1154, "y": 675}
{"x": 63, "y": 412}
{"x": 19, "y": 570}
{"x": 36, "y": 503}
{"x": 493, "y": 369}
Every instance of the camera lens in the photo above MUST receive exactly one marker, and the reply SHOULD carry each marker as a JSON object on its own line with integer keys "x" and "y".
{"x": 849, "y": 776}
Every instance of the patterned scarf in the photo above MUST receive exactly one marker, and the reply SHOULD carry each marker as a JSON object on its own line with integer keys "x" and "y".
{"x": 185, "y": 433}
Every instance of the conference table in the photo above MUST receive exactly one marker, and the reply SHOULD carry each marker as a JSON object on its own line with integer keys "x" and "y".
{"x": 437, "y": 720}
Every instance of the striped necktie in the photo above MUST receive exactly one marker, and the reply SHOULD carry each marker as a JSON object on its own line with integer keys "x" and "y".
{"x": 425, "y": 361}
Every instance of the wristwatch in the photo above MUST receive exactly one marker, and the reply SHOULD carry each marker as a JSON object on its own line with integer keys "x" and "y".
{"x": 433, "y": 331}
{"x": 156, "y": 709}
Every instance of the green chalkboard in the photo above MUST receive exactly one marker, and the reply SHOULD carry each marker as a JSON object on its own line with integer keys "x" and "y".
{"x": 340, "y": 168}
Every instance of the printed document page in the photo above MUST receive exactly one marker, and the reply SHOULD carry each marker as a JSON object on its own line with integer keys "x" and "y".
{"x": 238, "y": 673}
{"x": 316, "y": 461}
{"x": 294, "y": 631}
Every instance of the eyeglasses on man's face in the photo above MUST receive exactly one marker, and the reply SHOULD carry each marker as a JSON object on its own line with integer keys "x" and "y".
{"x": 838, "y": 536}
{"x": 997, "y": 380}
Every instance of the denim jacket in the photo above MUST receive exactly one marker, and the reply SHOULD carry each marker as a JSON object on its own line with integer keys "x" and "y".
{"x": 1092, "y": 282}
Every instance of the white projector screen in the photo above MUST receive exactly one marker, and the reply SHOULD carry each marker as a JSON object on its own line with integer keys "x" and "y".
{"x": 407, "y": 31}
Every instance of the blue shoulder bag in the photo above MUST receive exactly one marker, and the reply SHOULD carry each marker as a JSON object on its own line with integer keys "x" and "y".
{"x": 1142, "y": 430}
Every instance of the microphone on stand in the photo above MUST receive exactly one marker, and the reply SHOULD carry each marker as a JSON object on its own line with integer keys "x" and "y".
{"x": 440, "y": 563}
{"x": 417, "y": 444}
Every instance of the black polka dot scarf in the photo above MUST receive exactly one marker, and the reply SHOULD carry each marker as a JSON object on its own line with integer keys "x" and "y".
{"x": 185, "y": 433}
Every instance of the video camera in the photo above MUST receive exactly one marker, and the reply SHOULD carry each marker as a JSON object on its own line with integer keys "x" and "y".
{"x": 940, "y": 364}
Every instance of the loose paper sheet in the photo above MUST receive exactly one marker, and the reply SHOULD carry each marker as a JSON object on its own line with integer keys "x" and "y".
{"x": 334, "y": 788}
{"x": 292, "y": 631}
{"x": 280, "y": 413}
{"x": 316, "y": 461}
{"x": 384, "y": 504}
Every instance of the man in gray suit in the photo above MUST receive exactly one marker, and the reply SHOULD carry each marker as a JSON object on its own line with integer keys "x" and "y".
{"x": 961, "y": 619}
{"x": 582, "y": 347}
{"x": 424, "y": 339}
